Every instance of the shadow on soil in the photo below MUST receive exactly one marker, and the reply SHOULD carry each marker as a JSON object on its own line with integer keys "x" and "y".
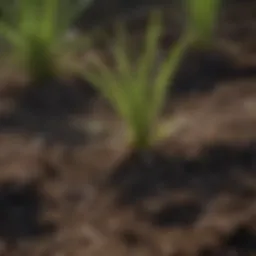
{"x": 218, "y": 169}
{"x": 241, "y": 242}
{"x": 201, "y": 72}
{"x": 21, "y": 207}
{"x": 45, "y": 109}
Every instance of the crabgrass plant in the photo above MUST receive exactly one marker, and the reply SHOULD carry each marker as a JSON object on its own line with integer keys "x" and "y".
{"x": 34, "y": 30}
{"x": 135, "y": 88}
{"x": 202, "y": 20}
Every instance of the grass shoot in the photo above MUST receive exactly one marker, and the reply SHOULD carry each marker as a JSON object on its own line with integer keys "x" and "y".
{"x": 136, "y": 89}
{"x": 34, "y": 30}
{"x": 202, "y": 20}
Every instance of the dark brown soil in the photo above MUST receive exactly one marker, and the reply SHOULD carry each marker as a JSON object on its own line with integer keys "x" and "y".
{"x": 70, "y": 186}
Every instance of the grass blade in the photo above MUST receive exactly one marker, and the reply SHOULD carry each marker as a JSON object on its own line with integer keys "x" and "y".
{"x": 202, "y": 19}
{"x": 147, "y": 60}
{"x": 11, "y": 35}
{"x": 49, "y": 20}
{"x": 166, "y": 74}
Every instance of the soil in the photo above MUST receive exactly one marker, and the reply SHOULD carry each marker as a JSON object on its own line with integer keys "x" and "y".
{"x": 69, "y": 185}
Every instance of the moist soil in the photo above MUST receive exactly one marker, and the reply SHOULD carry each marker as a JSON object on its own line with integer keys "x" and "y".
{"x": 70, "y": 185}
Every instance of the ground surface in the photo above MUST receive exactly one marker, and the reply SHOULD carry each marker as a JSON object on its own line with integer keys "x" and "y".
{"x": 68, "y": 186}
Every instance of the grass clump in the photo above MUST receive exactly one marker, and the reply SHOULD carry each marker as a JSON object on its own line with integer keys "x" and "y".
{"x": 202, "y": 20}
{"x": 135, "y": 88}
{"x": 34, "y": 30}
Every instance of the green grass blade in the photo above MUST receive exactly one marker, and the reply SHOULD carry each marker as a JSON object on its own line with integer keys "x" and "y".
{"x": 11, "y": 35}
{"x": 104, "y": 86}
{"x": 126, "y": 74}
{"x": 167, "y": 73}
{"x": 108, "y": 84}
{"x": 202, "y": 18}
{"x": 28, "y": 17}
{"x": 147, "y": 60}
{"x": 50, "y": 14}
{"x": 144, "y": 76}
{"x": 120, "y": 52}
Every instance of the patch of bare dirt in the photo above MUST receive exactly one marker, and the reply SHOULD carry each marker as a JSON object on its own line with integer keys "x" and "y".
{"x": 69, "y": 185}
{"x": 193, "y": 195}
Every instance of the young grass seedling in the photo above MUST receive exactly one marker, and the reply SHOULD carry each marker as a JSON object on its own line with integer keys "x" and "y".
{"x": 135, "y": 93}
{"x": 35, "y": 30}
{"x": 202, "y": 20}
